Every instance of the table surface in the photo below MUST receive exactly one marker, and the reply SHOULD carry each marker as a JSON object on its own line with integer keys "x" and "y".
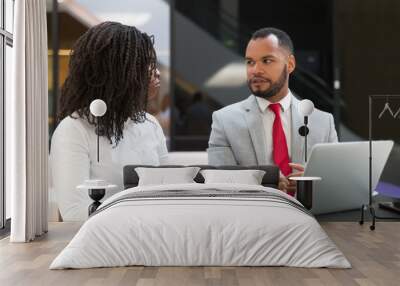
{"x": 91, "y": 187}
{"x": 305, "y": 178}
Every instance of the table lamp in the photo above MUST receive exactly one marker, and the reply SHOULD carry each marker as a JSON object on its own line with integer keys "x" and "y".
{"x": 96, "y": 187}
{"x": 98, "y": 108}
{"x": 306, "y": 107}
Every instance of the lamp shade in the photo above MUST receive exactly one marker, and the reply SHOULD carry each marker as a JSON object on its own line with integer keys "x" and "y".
{"x": 306, "y": 107}
{"x": 98, "y": 107}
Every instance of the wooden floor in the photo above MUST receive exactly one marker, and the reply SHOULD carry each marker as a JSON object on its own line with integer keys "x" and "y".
{"x": 375, "y": 256}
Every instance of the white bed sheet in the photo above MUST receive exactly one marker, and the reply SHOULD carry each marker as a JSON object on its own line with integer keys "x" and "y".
{"x": 200, "y": 231}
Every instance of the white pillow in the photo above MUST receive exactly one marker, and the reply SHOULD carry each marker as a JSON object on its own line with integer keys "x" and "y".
{"x": 165, "y": 176}
{"x": 248, "y": 177}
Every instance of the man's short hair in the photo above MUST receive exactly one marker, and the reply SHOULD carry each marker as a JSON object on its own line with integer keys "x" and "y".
{"x": 283, "y": 38}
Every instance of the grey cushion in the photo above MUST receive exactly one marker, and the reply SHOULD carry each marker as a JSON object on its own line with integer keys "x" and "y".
{"x": 270, "y": 179}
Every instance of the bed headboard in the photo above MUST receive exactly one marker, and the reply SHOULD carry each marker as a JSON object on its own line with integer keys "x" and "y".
{"x": 270, "y": 179}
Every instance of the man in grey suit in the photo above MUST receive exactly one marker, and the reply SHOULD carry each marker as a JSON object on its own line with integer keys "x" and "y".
{"x": 263, "y": 129}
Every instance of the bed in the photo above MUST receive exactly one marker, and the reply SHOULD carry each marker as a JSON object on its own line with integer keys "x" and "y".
{"x": 201, "y": 224}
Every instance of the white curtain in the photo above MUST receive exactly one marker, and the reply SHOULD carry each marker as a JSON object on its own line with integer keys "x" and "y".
{"x": 27, "y": 123}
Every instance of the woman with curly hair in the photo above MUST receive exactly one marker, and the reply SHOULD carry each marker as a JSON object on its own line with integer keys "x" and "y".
{"x": 117, "y": 64}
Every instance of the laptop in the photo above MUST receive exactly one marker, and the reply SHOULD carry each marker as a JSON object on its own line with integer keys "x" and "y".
{"x": 344, "y": 169}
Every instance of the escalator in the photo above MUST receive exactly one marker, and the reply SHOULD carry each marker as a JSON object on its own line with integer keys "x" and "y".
{"x": 209, "y": 46}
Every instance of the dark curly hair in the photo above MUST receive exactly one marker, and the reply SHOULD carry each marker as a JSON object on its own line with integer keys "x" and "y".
{"x": 112, "y": 62}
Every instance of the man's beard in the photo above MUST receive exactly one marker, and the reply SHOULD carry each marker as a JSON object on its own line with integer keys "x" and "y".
{"x": 274, "y": 87}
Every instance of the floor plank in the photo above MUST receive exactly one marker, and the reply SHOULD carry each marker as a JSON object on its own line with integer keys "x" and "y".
{"x": 375, "y": 257}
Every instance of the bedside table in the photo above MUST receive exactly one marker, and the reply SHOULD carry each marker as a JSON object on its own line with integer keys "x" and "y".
{"x": 305, "y": 190}
{"x": 96, "y": 190}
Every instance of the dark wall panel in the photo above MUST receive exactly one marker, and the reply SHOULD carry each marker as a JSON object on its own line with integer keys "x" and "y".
{"x": 369, "y": 45}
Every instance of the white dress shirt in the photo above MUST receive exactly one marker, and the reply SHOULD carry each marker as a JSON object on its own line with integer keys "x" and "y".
{"x": 268, "y": 117}
{"x": 73, "y": 159}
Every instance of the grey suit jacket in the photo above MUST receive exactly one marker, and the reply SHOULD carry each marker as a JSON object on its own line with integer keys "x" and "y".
{"x": 238, "y": 136}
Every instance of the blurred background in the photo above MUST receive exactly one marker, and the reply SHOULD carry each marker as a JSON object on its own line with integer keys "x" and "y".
{"x": 346, "y": 50}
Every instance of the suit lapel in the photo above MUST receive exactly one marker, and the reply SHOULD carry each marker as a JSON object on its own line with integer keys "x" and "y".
{"x": 256, "y": 129}
{"x": 297, "y": 140}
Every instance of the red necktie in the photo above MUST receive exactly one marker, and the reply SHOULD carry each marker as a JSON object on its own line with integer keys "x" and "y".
{"x": 280, "y": 153}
